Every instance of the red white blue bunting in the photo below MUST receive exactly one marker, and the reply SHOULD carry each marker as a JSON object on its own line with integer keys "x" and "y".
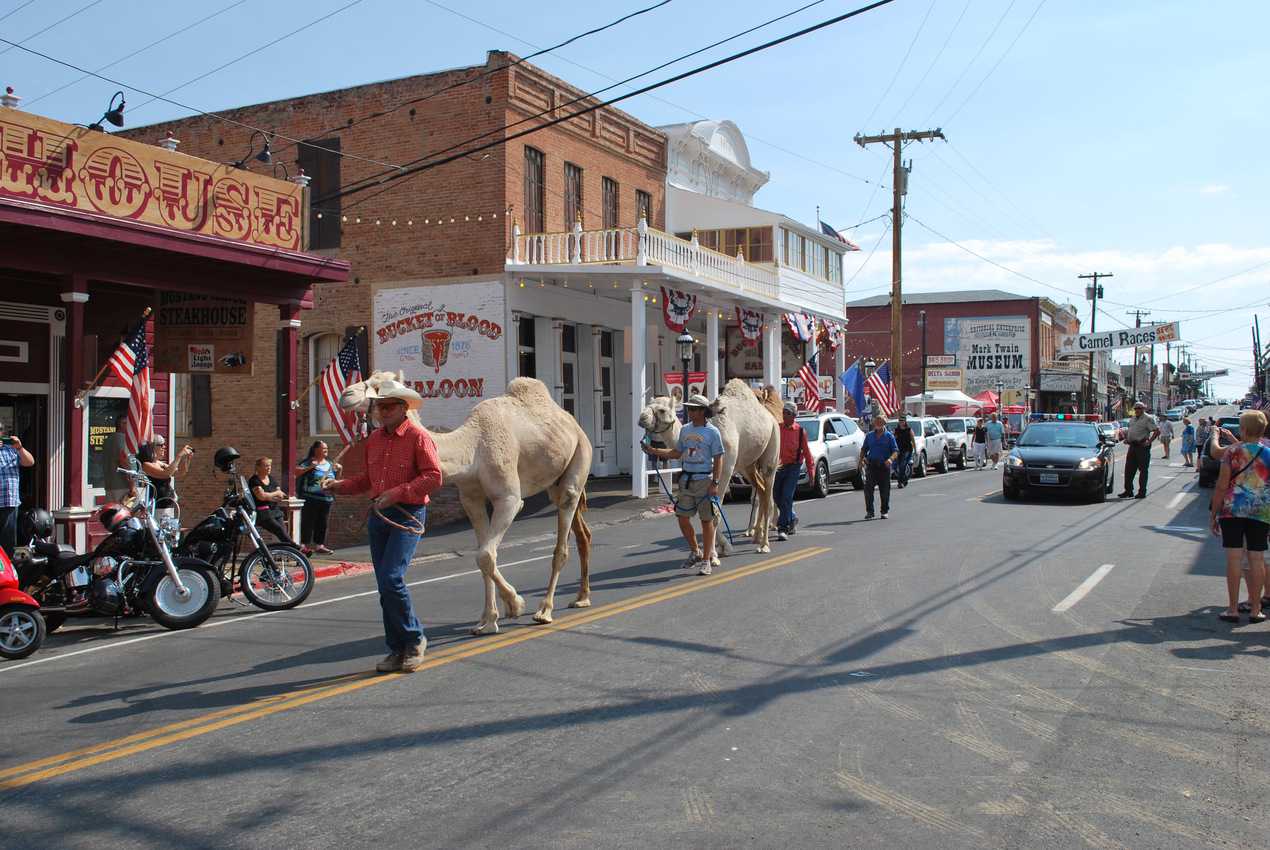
{"x": 751, "y": 324}
{"x": 677, "y": 308}
{"x": 801, "y": 325}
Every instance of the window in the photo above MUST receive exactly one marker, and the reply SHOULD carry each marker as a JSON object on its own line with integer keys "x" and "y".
{"x": 569, "y": 339}
{"x": 793, "y": 249}
{"x": 320, "y": 159}
{"x": 735, "y": 240}
{"x": 847, "y": 427}
{"x": 525, "y": 347}
{"x": 759, "y": 245}
{"x": 610, "y": 203}
{"x": 835, "y": 267}
{"x": 643, "y": 205}
{"x": 534, "y": 190}
{"x": 572, "y": 195}
{"x": 322, "y": 350}
{"x": 182, "y": 405}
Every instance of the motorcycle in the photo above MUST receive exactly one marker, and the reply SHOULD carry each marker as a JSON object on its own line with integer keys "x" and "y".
{"x": 22, "y": 627}
{"x": 273, "y": 576}
{"x": 133, "y": 571}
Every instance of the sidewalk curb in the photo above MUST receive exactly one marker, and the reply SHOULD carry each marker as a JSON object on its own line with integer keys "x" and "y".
{"x": 341, "y": 570}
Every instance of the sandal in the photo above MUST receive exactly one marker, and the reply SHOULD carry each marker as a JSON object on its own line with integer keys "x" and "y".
{"x": 1258, "y": 618}
{"x": 1228, "y": 618}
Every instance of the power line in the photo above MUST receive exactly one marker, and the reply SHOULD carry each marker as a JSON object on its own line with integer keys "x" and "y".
{"x": 58, "y": 22}
{"x": 972, "y": 61}
{"x": 578, "y": 99}
{"x": 1001, "y": 59}
{"x": 491, "y": 71}
{"x": 899, "y": 112}
{"x": 136, "y": 52}
{"x": 416, "y": 169}
{"x": 881, "y": 236}
{"x": 903, "y": 62}
{"x": 14, "y": 11}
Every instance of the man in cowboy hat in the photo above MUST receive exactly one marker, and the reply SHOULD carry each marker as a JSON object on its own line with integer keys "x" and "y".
{"x": 700, "y": 453}
{"x": 402, "y": 470}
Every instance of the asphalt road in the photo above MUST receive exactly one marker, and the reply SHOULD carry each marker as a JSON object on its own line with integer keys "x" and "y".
{"x": 968, "y": 673}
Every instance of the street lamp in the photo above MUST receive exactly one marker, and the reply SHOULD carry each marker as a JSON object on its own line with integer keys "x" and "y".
{"x": 1000, "y": 401}
{"x": 685, "y": 343}
{"x": 921, "y": 321}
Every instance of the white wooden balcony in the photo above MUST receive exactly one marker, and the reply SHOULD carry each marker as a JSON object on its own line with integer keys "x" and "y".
{"x": 644, "y": 246}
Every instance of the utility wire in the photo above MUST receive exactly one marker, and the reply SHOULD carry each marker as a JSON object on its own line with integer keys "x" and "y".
{"x": 417, "y": 169}
{"x": 900, "y": 67}
{"x": 339, "y": 128}
{"x": 14, "y": 11}
{"x": 58, "y": 22}
{"x": 136, "y": 52}
{"x": 899, "y": 112}
{"x": 997, "y": 64}
{"x": 971, "y": 63}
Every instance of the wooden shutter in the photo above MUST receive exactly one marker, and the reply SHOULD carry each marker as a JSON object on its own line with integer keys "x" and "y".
{"x": 320, "y": 159}
{"x": 201, "y": 401}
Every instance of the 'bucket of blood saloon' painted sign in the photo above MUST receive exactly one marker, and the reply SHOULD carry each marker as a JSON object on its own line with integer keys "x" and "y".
{"x": 447, "y": 341}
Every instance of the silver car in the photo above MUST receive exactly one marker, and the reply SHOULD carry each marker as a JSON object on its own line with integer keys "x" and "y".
{"x": 930, "y": 444}
{"x": 835, "y": 442}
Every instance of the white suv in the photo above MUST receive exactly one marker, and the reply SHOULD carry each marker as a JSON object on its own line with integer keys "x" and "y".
{"x": 960, "y": 431}
{"x": 930, "y": 444}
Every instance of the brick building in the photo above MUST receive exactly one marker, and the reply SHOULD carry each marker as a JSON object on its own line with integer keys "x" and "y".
{"x": 994, "y": 336}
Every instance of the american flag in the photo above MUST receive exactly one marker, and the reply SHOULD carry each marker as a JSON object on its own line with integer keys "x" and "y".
{"x": 131, "y": 364}
{"x": 879, "y": 388}
{"x": 811, "y": 385}
{"x": 344, "y": 369}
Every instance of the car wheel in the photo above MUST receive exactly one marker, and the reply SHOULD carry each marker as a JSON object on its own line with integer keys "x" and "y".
{"x": 919, "y": 465}
{"x": 821, "y": 485}
{"x": 1010, "y": 492}
{"x": 942, "y": 466}
{"x": 961, "y": 458}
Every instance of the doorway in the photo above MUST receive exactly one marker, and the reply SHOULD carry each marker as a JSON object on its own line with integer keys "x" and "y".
{"x": 569, "y": 369}
{"x": 605, "y": 462}
{"x": 24, "y": 416}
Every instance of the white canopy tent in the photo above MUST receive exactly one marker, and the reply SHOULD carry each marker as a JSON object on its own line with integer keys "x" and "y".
{"x": 953, "y": 400}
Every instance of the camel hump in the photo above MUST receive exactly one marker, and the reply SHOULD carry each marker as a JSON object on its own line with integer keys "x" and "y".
{"x": 530, "y": 392}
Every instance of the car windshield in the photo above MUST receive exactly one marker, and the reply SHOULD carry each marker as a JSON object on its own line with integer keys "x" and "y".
{"x": 811, "y": 426}
{"x": 1064, "y": 436}
{"x": 954, "y": 425}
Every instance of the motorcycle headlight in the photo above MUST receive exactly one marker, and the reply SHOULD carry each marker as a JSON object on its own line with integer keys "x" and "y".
{"x": 1013, "y": 460}
{"x": 1090, "y": 463}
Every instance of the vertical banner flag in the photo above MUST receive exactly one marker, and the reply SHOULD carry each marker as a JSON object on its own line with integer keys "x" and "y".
{"x": 853, "y": 382}
{"x": 880, "y": 389}
{"x": 811, "y": 384}
{"x": 829, "y": 336}
{"x": 800, "y": 325}
{"x": 751, "y": 324}
{"x": 131, "y": 365}
{"x": 677, "y": 308}
{"x": 344, "y": 369}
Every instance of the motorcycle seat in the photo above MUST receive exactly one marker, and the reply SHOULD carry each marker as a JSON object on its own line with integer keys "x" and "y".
{"x": 55, "y": 551}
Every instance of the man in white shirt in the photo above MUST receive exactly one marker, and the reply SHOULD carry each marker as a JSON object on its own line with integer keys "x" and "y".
{"x": 1166, "y": 434}
{"x": 1141, "y": 432}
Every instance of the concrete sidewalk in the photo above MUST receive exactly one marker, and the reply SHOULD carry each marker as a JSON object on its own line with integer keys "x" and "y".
{"x": 608, "y": 503}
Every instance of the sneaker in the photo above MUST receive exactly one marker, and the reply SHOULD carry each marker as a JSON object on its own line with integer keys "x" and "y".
{"x": 1140, "y": 496}
{"x": 793, "y": 526}
{"x": 691, "y": 561}
{"x": 714, "y": 559}
{"x": 412, "y": 658}
{"x": 883, "y": 514}
{"x": 1126, "y": 495}
{"x": 390, "y": 664}
{"x": 780, "y": 535}
{"x": 868, "y": 516}
{"x": 704, "y": 569}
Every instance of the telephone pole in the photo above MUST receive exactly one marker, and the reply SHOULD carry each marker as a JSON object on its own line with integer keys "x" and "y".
{"x": 899, "y": 187}
{"x": 1137, "y": 323}
{"x": 1093, "y": 291}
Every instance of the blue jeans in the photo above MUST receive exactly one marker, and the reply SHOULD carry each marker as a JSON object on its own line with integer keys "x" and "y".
{"x": 391, "y": 550}
{"x": 9, "y": 530}
{"x": 786, "y": 485}
{"x": 904, "y": 467}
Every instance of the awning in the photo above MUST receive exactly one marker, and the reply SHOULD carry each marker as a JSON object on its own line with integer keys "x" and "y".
{"x": 955, "y": 400}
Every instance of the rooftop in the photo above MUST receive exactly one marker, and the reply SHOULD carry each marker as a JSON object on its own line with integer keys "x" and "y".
{"x": 962, "y": 296}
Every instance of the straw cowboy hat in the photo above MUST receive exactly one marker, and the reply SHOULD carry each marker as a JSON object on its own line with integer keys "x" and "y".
{"x": 391, "y": 389}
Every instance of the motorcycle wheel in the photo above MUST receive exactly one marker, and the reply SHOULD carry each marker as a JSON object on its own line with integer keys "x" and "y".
{"x": 171, "y": 611}
{"x": 280, "y": 589}
{"x": 21, "y": 631}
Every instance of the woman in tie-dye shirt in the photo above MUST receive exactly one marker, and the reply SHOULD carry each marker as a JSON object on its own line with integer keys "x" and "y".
{"x": 1240, "y": 512}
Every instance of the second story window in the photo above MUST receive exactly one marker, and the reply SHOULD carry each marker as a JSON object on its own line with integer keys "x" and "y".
{"x": 534, "y": 191}
{"x": 610, "y": 203}
{"x": 643, "y": 206}
{"x": 320, "y": 159}
{"x": 572, "y": 194}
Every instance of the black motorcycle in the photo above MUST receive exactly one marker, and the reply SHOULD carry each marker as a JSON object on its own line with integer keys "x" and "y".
{"x": 131, "y": 572}
{"x": 272, "y": 576}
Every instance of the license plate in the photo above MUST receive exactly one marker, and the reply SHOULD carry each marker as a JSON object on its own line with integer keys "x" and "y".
{"x": 1049, "y": 477}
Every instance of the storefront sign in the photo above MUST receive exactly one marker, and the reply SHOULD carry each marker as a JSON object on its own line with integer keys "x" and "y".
{"x": 1061, "y": 383}
{"x": 992, "y": 350}
{"x": 746, "y": 361}
{"x": 941, "y": 360}
{"x": 448, "y": 341}
{"x": 204, "y": 333}
{"x": 674, "y": 384}
{"x": 944, "y": 379}
{"x": 101, "y": 174}
{"x": 1124, "y": 338}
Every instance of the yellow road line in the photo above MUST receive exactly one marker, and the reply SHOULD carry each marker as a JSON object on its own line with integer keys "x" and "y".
{"x": 75, "y": 760}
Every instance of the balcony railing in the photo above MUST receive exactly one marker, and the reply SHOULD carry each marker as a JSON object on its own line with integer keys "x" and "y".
{"x": 643, "y": 246}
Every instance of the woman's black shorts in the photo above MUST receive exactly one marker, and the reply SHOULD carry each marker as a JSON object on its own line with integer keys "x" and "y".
{"x": 1243, "y": 533}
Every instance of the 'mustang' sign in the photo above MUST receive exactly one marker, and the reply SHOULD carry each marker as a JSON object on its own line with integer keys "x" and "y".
{"x": 1126, "y": 338}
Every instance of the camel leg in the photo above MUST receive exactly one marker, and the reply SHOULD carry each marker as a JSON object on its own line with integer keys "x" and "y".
{"x": 582, "y": 534}
{"x": 489, "y": 534}
{"x": 768, "y": 477}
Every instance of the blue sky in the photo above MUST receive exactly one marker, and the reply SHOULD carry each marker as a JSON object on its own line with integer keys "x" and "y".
{"x": 1083, "y": 136}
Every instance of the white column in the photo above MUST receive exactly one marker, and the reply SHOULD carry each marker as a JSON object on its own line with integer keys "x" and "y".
{"x": 839, "y": 366}
{"x": 772, "y": 351}
{"x": 712, "y": 353}
{"x": 639, "y": 379}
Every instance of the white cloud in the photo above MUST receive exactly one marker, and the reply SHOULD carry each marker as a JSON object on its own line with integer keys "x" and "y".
{"x": 1214, "y": 189}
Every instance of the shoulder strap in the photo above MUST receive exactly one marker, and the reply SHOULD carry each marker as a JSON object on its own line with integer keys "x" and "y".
{"x": 1244, "y": 468}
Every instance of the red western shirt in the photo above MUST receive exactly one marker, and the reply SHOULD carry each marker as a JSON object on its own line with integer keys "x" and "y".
{"x": 794, "y": 440}
{"x": 401, "y": 463}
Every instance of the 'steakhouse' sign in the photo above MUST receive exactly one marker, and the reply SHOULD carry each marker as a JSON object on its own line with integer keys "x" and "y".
{"x": 204, "y": 333}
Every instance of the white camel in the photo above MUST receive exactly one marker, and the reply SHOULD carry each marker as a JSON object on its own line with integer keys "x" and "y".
{"x": 509, "y": 448}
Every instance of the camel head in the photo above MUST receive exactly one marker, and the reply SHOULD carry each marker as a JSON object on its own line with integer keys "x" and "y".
{"x": 354, "y": 398}
{"x": 659, "y": 421}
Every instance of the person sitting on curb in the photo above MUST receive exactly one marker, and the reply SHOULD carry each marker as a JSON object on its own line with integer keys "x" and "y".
{"x": 700, "y": 452}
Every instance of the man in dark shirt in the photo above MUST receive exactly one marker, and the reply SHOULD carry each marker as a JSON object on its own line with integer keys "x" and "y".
{"x": 904, "y": 439}
{"x": 877, "y": 455}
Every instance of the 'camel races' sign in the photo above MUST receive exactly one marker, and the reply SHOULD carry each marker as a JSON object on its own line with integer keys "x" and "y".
{"x": 1123, "y": 338}
{"x": 448, "y": 342}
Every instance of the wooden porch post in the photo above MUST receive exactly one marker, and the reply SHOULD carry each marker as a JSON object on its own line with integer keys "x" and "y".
{"x": 289, "y": 316}
{"x": 75, "y": 297}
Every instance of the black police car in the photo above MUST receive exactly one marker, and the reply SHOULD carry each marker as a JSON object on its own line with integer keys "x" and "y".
{"x": 1063, "y": 456}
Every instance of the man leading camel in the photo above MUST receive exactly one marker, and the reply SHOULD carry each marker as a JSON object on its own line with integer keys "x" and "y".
{"x": 700, "y": 450}
{"x": 402, "y": 470}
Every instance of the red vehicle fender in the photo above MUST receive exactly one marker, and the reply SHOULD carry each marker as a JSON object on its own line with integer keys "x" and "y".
{"x": 13, "y": 596}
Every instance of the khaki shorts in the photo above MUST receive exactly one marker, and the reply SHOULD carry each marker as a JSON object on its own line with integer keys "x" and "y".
{"x": 694, "y": 497}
